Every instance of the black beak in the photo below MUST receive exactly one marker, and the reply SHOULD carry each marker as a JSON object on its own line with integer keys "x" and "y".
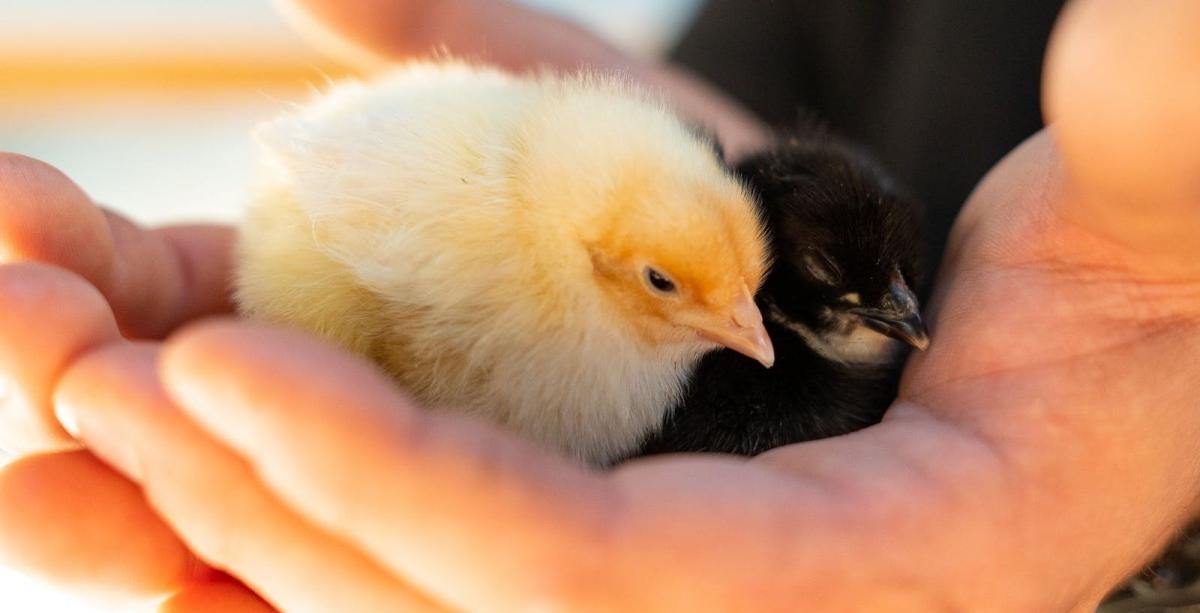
{"x": 901, "y": 320}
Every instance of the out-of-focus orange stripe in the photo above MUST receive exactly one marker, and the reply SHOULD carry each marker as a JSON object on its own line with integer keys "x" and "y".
{"x": 41, "y": 75}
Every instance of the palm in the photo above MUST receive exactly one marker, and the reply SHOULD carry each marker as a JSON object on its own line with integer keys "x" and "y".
{"x": 1046, "y": 335}
{"x": 1030, "y": 461}
{"x": 1028, "y": 287}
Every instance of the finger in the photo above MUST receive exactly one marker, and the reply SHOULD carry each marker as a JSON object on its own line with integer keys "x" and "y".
{"x": 48, "y": 317}
{"x": 226, "y": 596}
{"x": 70, "y": 519}
{"x": 211, "y": 498}
{"x": 440, "y": 500}
{"x": 163, "y": 278}
{"x": 372, "y": 33}
{"x": 365, "y": 32}
{"x": 1121, "y": 87}
{"x": 154, "y": 280}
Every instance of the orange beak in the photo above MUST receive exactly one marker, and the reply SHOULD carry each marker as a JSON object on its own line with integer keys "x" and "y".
{"x": 742, "y": 331}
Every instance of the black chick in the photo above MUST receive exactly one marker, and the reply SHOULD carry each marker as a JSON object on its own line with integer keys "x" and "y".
{"x": 840, "y": 305}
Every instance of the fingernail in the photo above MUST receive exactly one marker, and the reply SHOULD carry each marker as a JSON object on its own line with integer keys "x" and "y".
{"x": 114, "y": 452}
{"x": 66, "y": 417}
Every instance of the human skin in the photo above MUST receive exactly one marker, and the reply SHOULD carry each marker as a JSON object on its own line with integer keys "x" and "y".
{"x": 376, "y": 32}
{"x": 1040, "y": 450}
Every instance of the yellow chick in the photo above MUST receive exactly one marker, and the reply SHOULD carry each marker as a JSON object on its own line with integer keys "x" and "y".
{"x": 553, "y": 254}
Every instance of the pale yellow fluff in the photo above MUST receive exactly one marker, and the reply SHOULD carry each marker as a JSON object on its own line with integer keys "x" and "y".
{"x": 473, "y": 232}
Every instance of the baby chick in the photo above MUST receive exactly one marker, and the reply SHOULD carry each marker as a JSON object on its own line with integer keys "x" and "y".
{"x": 553, "y": 254}
{"x": 839, "y": 304}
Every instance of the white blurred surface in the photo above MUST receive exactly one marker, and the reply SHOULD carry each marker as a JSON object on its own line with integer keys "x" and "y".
{"x": 83, "y": 27}
{"x": 163, "y": 156}
{"x": 22, "y": 594}
{"x": 156, "y": 158}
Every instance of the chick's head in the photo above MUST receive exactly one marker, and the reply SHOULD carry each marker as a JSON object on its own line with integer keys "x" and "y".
{"x": 847, "y": 243}
{"x": 682, "y": 263}
{"x": 671, "y": 239}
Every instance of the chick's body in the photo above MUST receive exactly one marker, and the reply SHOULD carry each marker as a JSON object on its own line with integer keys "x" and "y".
{"x": 734, "y": 405}
{"x": 839, "y": 305}
{"x": 483, "y": 238}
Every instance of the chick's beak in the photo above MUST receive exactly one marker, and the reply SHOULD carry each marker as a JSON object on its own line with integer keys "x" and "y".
{"x": 903, "y": 321}
{"x": 742, "y": 331}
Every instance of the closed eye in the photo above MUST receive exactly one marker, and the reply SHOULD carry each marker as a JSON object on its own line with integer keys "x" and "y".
{"x": 821, "y": 268}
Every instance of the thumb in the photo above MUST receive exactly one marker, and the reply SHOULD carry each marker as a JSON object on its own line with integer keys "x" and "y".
{"x": 1122, "y": 89}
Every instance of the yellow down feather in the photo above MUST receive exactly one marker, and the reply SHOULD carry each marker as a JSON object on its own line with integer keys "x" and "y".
{"x": 485, "y": 239}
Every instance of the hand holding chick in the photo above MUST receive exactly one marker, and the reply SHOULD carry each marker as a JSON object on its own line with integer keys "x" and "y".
{"x": 1150, "y": 421}
{"x": 551, "y": 254}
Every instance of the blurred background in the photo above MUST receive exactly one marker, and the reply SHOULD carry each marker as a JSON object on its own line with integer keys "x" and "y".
{"x": 147, "y": 104}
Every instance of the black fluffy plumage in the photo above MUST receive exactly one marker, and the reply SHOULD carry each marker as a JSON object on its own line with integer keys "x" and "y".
{"x": 734, "y": 405}
{"x": 845, "y": 241}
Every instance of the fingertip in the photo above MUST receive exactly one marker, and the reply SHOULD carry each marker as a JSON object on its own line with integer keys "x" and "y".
{"x": 48, "y": 317}
{"x": 226, "y": 333}
{"x": 154, "y": 280}
{"x": 1121, "y": 88}
{"x": 107, "y": 395}
{"x": 193, "y": 358}
{"x": 46, "y": 217}
{"x": 213, "y": 365}
{"x": 210, "y": 334}
{"x": 363, "y": 33}
{"x": 213, "y": 342}
{"x": 243, "y": 352}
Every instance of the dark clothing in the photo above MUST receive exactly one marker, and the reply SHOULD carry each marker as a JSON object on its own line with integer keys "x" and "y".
{"x": 939, "y": 90}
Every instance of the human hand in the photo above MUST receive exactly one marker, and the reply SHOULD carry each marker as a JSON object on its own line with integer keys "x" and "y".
{"x": 156, "y": 280}
{"x": 63, "y": 513}
{"x": 881, "y": 467}
{"x": 377, "y": 32}
{"x": 1041, "y": 449}
{"x": 153, "y": 280}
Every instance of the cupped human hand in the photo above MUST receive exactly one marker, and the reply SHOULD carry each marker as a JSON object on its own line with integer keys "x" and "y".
{"x": 64, "y": 515}
{"x": 75, "y": 277}
{"x": 1041, "y": 449}
{"x": 153, "y": 280}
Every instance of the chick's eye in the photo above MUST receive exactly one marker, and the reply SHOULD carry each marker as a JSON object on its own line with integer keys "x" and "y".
{"x": 821, "y": 268}
{"x": 659, "y": 281}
